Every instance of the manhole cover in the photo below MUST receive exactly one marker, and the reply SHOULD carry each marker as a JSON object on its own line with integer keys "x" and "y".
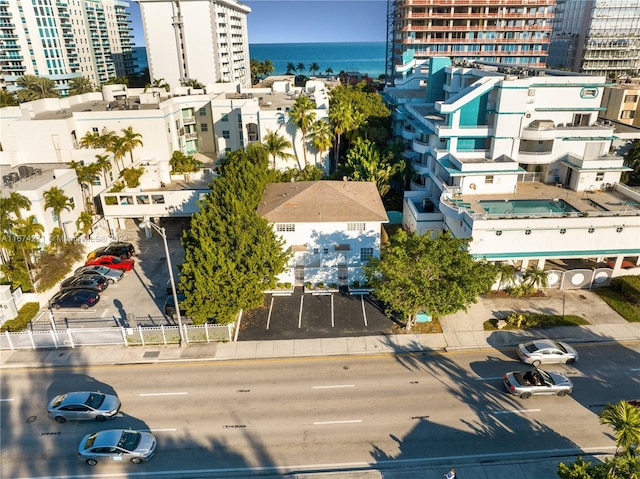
{"x": 582, "y": 296}
{"x": 151, "y": 354}
{"x": 31, "y": 419}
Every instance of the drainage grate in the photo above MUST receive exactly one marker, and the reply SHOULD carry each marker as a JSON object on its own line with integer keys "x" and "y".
{"x": 151, "y": 354}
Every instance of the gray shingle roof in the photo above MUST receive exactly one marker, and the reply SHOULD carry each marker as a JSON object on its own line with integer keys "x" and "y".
{"x": 322, "y": 201}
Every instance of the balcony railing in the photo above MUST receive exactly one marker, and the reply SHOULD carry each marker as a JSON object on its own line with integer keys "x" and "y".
{"x": 190, "y": 136}
{"x": 189, "y": 120}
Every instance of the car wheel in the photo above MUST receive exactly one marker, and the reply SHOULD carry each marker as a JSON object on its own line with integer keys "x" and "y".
{"x": 136, "y": 460}
{"x": 562, "y": 393}
{"x": 111, "y": 281}
{"x": 535, "y": 364}
{"x": 92, "y": 462}
{"x": 571, "y": 360}
{"x": 525, "y": 395}
{"x": 85, "y": 306}
{"x": 60, "y": 419}
{"x": 101, "y": 418}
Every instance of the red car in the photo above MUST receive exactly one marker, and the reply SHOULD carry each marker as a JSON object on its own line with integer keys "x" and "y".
{"x": 111, "y": 262}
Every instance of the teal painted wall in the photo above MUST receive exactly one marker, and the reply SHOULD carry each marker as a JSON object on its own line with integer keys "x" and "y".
{"x": 474, "y": 112}
{"x": 468, "y": 144}
{"x": 437, "y": 77}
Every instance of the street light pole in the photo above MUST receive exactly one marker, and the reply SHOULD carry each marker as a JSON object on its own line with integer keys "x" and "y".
{"x": 163, "y": 233}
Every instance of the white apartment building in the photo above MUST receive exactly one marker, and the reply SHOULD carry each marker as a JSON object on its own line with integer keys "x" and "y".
{"x": 197, "y": 39}
{"x": 517, "y": 160}
{"x": 45, "y": 134}
{"x": 598, "y": 37}
{"x": 331, "y": 227}
{"x": 63, "y": 39}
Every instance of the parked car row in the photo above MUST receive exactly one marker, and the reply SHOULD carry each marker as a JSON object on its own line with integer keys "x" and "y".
{"x": 82, "y": 290}
{"x": 115, "y": 445}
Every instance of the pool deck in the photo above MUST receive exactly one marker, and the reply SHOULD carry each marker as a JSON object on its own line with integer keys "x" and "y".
{"x": 610, "y": 202}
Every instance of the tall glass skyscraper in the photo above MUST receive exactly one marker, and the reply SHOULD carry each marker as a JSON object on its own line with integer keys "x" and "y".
{"x": 599, "y": 37}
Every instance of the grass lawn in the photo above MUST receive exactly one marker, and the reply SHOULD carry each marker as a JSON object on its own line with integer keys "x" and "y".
{"x": 620, "y": 303}
{"x": 430, "y": 327}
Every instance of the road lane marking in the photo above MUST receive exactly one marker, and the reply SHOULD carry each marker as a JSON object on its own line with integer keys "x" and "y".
{"x": 635, "y": 369}
{"x": 270, "y": 309}
{"x": 333, "y": 322}
{"x": 164, "y": 394}
{"x": 169, "y": 429}
{"x": 6, "y": 400}
{"x": 489, "y": 378}
{"x": 364, "y": 313}
{"x": 516, "y": 411}
{"x": 324, "y": 423}
{"x": 335, "y": 386}
{"x": 300, "y": 313}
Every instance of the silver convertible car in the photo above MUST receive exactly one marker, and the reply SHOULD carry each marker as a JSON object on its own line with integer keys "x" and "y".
{"x": 83, "y": 405}
{"x": 529, "y": 383}
{"x": 546, "y": 351}
{"x": 117, "y": 445}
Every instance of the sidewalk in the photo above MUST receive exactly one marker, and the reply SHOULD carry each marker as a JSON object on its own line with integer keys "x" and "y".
{"x": 461, "y": 331}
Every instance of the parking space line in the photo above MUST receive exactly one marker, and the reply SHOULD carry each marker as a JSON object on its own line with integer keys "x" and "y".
{"x": 300, "y": 313}
{"x": 270, "y": 309}
{"x": 364, "y": 313}
{"x": 163, "y": 394}
{"x": 334, "y": 386}
{"x": 333, "y": 322}
{"x": 516, "y": 411}
{"x": 321, "y": 423}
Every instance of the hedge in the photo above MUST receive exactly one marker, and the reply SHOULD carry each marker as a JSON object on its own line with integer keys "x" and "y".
{"x": 20, "y": 322}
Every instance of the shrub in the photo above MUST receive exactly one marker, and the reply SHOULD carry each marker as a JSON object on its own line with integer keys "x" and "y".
{"x": 307, "y": 284}
{"x": 181, "y": 163}
{"x": 132, "y": 176}
{"x": 334, "y": 286}
{"x": 117, "y": 187}
{"x": 320, "y": 285}
{"x": 287, "y": 285}
{"x": 356, "y": 284}
{"x": 25, "y": 316}
{"x": 56, "y": 262}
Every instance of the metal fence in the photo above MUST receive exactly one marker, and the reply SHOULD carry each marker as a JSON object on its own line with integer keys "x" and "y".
{"x": 140, "y": 336}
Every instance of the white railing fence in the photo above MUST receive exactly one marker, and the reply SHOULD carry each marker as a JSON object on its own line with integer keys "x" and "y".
{"x": 139, "y": 336}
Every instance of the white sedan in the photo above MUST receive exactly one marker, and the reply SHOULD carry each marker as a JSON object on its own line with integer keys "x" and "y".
{"x": 546, "y": 351}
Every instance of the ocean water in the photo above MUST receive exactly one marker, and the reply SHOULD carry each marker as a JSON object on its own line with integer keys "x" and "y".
{"x": 366, "y": 58}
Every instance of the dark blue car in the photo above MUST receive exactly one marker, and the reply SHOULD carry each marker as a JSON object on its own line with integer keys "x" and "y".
{"x": 75, "y": 298}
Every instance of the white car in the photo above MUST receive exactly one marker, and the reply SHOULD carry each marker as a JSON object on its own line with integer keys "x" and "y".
{"x": 546, "y": 351}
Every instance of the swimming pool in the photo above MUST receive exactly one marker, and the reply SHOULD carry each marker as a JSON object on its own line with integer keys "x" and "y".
{"x": 520, "y": 207}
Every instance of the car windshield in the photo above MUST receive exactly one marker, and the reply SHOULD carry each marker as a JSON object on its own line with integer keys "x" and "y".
{"x": 116, "y": 260}
{"x": 129, "y": 440}
{"x": 90, "y": 440}
{"x": 531, "y": 347}
{"x": 561, "y": 347}
{"x": 545, "y": 376}
{"x": 95, "y": 400}
{"x": 56, "y": 402}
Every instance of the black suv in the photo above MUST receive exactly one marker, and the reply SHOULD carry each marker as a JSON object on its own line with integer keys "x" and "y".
{"x": 95, "y": 282}
{"x": 122, "y": 250}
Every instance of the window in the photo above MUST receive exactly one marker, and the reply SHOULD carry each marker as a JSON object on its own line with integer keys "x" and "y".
{"x": 600, "y": 176}
{"x": 366, "y": 254}
{"x": 225, "y": 134}
{"x": 628, "y": 114}
{"x": 316, "y": 251}
{"x": 531, "y": 92}
{"x": 325, "y": 250}
{"x": 355, "y": 226}
{"x": 488, "y": 179}
{"x": 589, "y": 93}
{"x": 285, "y": 227}
{"x": 630, "y": 98}
{"x": 343, "y": 247}
{"x": 204, "y": 127}
{"x": 225, "y": 117}
{"x": 202, "y": 112}
{"x": 343, "y": 273}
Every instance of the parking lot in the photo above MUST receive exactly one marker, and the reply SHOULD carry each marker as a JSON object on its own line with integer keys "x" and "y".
{"x": 141, "y": 293}
{"x": 306, "y": 316}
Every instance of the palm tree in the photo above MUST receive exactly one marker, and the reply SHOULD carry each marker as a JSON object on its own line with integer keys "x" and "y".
{"x": 291, "y": 68}
{"x": 10, "y": 214}
{"x": 314, "y": 68}
{"x": 130, "y": 140}
{"x": 157, "y": 83}
{"x": 192, "y": 82}
{"x": 303, "y": 116}
{"x": 300, "y": 67}
{"x": 55, "y": 199}
{"x": 277, "y": 146}
{"x": 7, "y": 99}
{"x": 80, "y": 85}
{"x": 90, "y": 140}
{"x": 254, "y": 67}
{"x": 506, "y": 273}
{"x": 329, "y": 71}
{"x": 84, "y": 223}
{"x": 28, "y": 230}
{"x": 35, "y": 88}
{"x": 117, "y": 81}
{"x": 116, "y": 148}
{"x": 341, "y": 117}
{"x": 321, "y": 136}
{"x": 536, "y": 277}
{"x": 104, "y": 164}
{"x": 625, "y": 420}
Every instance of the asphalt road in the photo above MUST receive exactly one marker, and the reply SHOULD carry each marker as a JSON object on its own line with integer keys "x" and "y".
{"x": 237, "y": 418}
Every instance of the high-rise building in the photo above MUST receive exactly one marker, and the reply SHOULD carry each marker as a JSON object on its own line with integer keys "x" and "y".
{"x": 63, "y": 39}
{"x": 203, "y": 40}
{"x": 512, "y": 32}
{"x": 599, "y": 37}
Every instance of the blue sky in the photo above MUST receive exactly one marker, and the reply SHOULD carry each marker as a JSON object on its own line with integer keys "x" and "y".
{"x": 305, "y": 21}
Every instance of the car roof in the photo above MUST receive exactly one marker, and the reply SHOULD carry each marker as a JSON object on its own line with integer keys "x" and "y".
{"x": 110, "y": 437}
{"x": 76, "y": 397}
{"x": 544, "y": 343}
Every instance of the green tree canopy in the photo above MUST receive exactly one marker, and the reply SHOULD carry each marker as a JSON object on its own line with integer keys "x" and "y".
{"x": 424, "y": 274}
{"x": 632, "y": 160}
{"x": 35, "y": 88}
{"x": 130, "y": 140}
{"x": 7, "y": 99}
{"x": 80, "y": 85}
{"x": 55, "y": 199}
{"x": 231, "y": 254}
{"x": 625, "y": 420}
{"x": 302, "y": 115}
{"x": 366, "y": 163}
{"x": 277, "y": 146}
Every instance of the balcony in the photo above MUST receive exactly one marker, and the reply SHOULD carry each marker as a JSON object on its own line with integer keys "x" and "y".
{"x": 421, "y": 147}
{"x": 409, "y": 133}
{"x": 191, "y": 136}
{"x": 189, "y": 120}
